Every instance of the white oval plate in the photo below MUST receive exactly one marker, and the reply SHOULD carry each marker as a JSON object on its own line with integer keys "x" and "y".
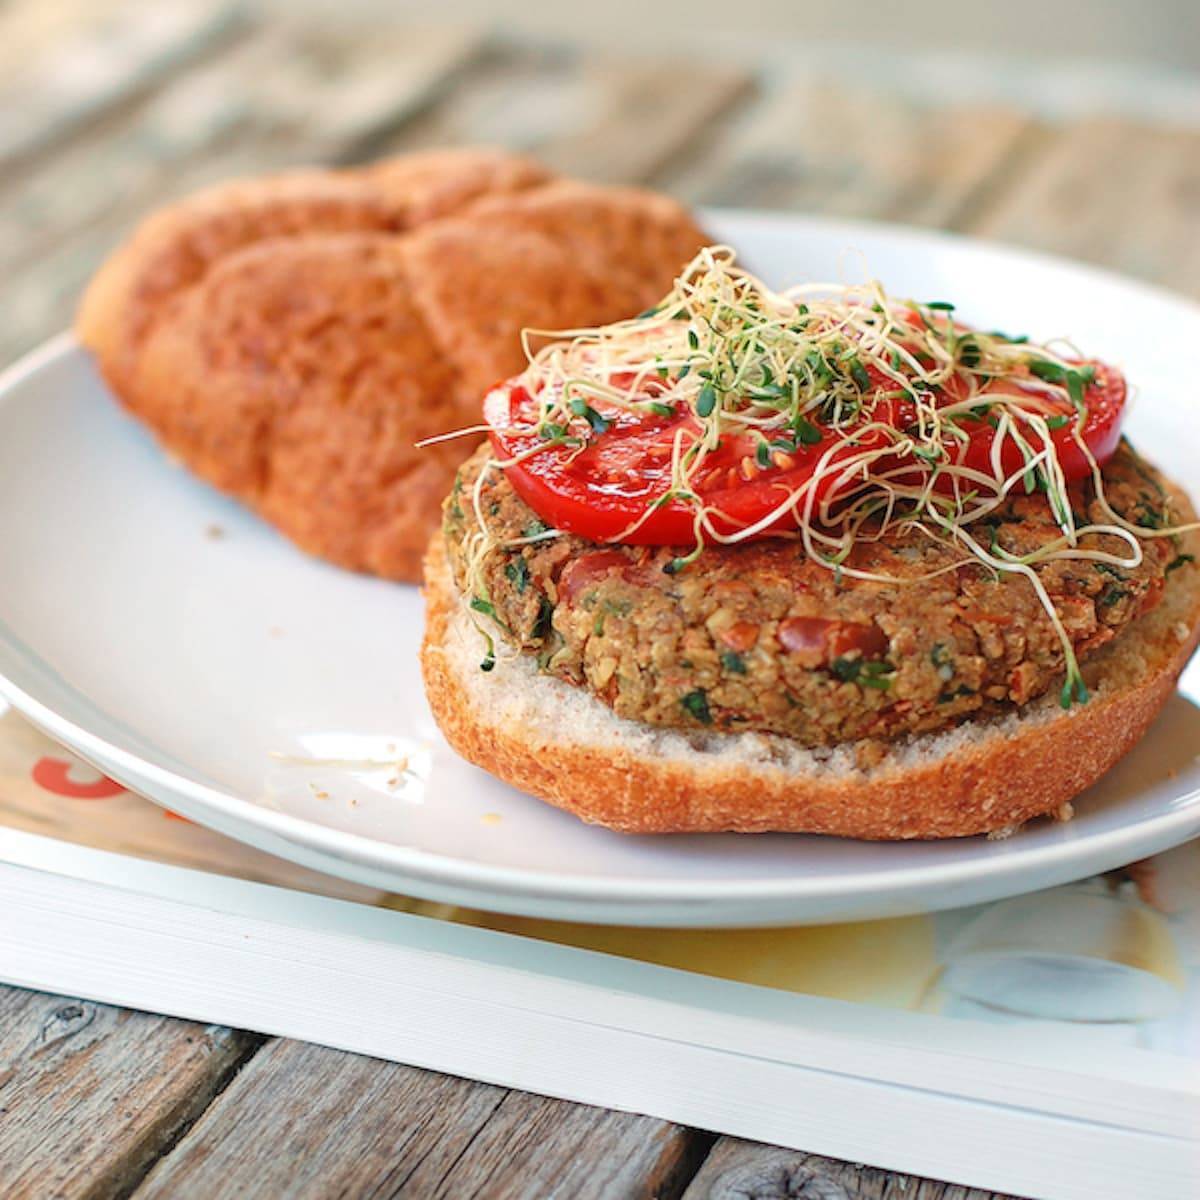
{"x": 188, "y": 651}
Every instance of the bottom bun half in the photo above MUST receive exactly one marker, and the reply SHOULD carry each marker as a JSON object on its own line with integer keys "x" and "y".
{"x": 562, "y": 745}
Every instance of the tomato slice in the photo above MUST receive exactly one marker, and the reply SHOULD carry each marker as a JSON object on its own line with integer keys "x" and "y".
{"x": 1105, "y": 399}
{"x": 605, "y": 491}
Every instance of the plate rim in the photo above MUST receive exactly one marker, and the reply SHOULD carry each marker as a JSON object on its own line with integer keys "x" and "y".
{"x": 1060, "y": 860}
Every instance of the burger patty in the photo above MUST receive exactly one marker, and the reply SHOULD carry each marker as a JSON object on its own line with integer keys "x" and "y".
{"x": 759, "y": 637}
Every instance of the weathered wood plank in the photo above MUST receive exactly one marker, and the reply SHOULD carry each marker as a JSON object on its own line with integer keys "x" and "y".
{"x": 100, "y": 63}
{"x": 337, "y": 1123}
{"x": 856, "y": 153}
{"x": 536, "y": 1147}
{"x": 376, "y": 83}
{"x": 641, "y": 118}
{"x": 738, "y": 1170}
{"x": 599, "y": 117}
{"x": 221, "y": 120}
{"x": 1116, "y": 192}
{"x": 103, "y": 175}
{"x": 90, "y": 1095}
{"x": 284, "y": 97}
{"x": 353, "y": 1126}
{"x": 217, "y": 118}
{"x": 521, "y": 99}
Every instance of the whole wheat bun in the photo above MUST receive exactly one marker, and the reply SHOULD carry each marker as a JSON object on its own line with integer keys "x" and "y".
{"x": 559, "y": 743}
{"x": 290, "y": 338}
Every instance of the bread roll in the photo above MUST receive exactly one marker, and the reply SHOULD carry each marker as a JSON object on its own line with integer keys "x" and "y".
{"x": 289, "y": 339}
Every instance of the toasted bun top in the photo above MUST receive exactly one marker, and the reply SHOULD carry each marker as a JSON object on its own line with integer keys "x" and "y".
{"x": 290, "y": 338}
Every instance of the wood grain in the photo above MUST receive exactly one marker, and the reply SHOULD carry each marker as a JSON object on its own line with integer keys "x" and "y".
{"x": 288, "y": 94}
{"x": 90, "y": 1095}
{"x": 739, "y": 1170}
{"x": 1115, "y": 192}
{"x": 95, "y": 65}
{"x": 824, "y": 148}
{"x": 352, "y": 1126}
{"x": 614, "y": 120}
{"x": 280, "y": 97}
{"x": 536, "y": 1147}
{"x": 640, "y": 118}
{"x": 334, "y": 1122}
{"x": 273, "y": 99}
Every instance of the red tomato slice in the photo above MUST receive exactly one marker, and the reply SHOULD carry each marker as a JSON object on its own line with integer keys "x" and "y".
{"x": 1105, "y": 399}
{"x": 601, "y": 491}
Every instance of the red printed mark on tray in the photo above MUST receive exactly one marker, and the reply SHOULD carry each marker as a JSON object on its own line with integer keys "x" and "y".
{"x": 55, "y": 775}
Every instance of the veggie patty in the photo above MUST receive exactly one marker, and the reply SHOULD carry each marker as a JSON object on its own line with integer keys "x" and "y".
{"x": 756, "y": 636}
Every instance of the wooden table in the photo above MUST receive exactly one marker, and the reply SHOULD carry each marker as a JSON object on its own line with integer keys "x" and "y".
{"x": 102, "y": 117}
